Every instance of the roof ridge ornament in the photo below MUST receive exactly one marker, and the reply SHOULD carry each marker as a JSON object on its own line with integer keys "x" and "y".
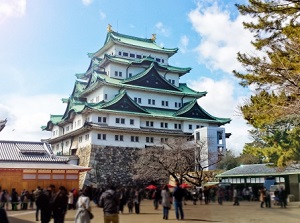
{"x": 153, "y": 38}
{"x": 109, "y": 29}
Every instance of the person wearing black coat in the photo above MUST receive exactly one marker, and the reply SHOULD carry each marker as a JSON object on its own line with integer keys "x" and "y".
{"x": 59, "y": 205}
{"x": 3, "y": 216}
{"x": 43, "y": 204}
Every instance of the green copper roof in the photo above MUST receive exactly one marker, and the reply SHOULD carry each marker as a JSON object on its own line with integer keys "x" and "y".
{"x": 54, "y": 119}
{"x": 150, "y": 78}
{"x": 194, "y": 110}
{"x": 132, "y": 41}
{"x": 150, "y": 60}
{"x": 137, "y": 41}
{"x": 129, "y": 83}
{"x": 122, "y": 103}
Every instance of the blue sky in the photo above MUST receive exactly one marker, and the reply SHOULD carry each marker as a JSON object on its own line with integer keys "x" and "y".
{"x": 43, "y": 44}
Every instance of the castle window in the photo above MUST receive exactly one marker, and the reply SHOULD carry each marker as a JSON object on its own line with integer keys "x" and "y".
{"x": 102, "y": 136}
{"x": 158, "y": 60}
{"x": 125, "y": 54}
{"x": 116, "y": 73}
{"x": 87, "y": 136}
{"x": 130, "y": 74}
{"x": 149, "y": 123}
{"x": 131, "y": 121}
{"x": 190, "y": 126}
{"x": 120, "y": 73}
{"x": 118, "y": 137}
{"x": 138, "y": 56}
{"x": 105, "y": 96}
{"x": 162, "y": 60}
{"x": 138, "y": 100}
{"x": 149, "y": 139}
{"x": 117, "y": 120}
{"x": 134, "y": 138}
{"x": 120, "y": 53}
{"x": 132, "y": 55}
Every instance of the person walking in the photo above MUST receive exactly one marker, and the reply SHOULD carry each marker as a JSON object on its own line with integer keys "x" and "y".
{"x": 220, "y": 195}
{"x": 137, "y": 200}
{"x": 268, "y": 199}
{"x": 156, "y": 198}
{"x": 110, "y": 202}
{"x": 262, "y": 196}
{"x": 83, "y": 208}
{"x": 165, "y": 201}
{"x": 4, "y": 199}
{"x": 14, "y": 199}
{"x": 178, "y": 195}
{"x": 206, "y": 195}
{"x": 235, "y": 197}
{"x": 43, "y": 204}
{"x": 60, "y": 205}
{"x": 38, "y": 191}
{"x": 123, "y": 200}
{"x": 283, "y": 197}
{"x": 3, "y": 216}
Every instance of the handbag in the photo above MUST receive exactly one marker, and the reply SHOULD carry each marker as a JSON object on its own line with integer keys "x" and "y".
{"x": 90, "y": 214}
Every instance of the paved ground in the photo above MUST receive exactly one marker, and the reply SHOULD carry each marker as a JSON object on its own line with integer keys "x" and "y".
{"x": 247, "y": 212}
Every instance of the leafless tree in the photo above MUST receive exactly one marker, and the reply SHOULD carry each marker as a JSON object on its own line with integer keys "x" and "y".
{"x": 178, "y": 158}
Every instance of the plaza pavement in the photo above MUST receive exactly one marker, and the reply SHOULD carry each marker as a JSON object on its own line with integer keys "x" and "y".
{"x": 246, "y": 212}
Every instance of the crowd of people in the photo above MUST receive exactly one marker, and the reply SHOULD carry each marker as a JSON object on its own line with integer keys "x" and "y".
{"x": 51, "y": 203}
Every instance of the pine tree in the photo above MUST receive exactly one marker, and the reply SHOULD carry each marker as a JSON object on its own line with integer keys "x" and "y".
{"x": 275, "y": 73}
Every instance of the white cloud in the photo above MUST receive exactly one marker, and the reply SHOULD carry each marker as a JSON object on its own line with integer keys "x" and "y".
{"x": 184, "y": 42}
{"x": 87, "y": 2}
{"x": 221, "y": 102}
{"x": 161, "y": 29}
{"x": 102, "y": 15}
{"x": 221, "y": 37}
{"x": 12, "y": 8}
{"x": 26, "y": 114}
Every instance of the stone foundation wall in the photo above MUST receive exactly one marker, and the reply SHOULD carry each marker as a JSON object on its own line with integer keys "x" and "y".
{"x": 111, "y": 165}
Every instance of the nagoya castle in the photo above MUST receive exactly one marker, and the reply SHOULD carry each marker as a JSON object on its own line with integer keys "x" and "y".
{"x": 129, "y": 98}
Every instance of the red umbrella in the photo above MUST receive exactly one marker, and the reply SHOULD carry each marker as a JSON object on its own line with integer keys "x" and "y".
{"x": 184, "y": 185}
{"x": 151, "y": 187}
{"x": 170, "y": 186}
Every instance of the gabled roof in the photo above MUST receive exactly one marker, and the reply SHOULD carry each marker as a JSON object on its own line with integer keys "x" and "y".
{"x": 18, "y": 151}
{"x": 193, "y": 110}
{"x": 145, "y": 61}
{"x": 265, "y": 169}
{"x": 150, "y": 78}
{"x": 132, "y": 41}
{"x": 124, "y": 103}
{"x": 97, "y": 79}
